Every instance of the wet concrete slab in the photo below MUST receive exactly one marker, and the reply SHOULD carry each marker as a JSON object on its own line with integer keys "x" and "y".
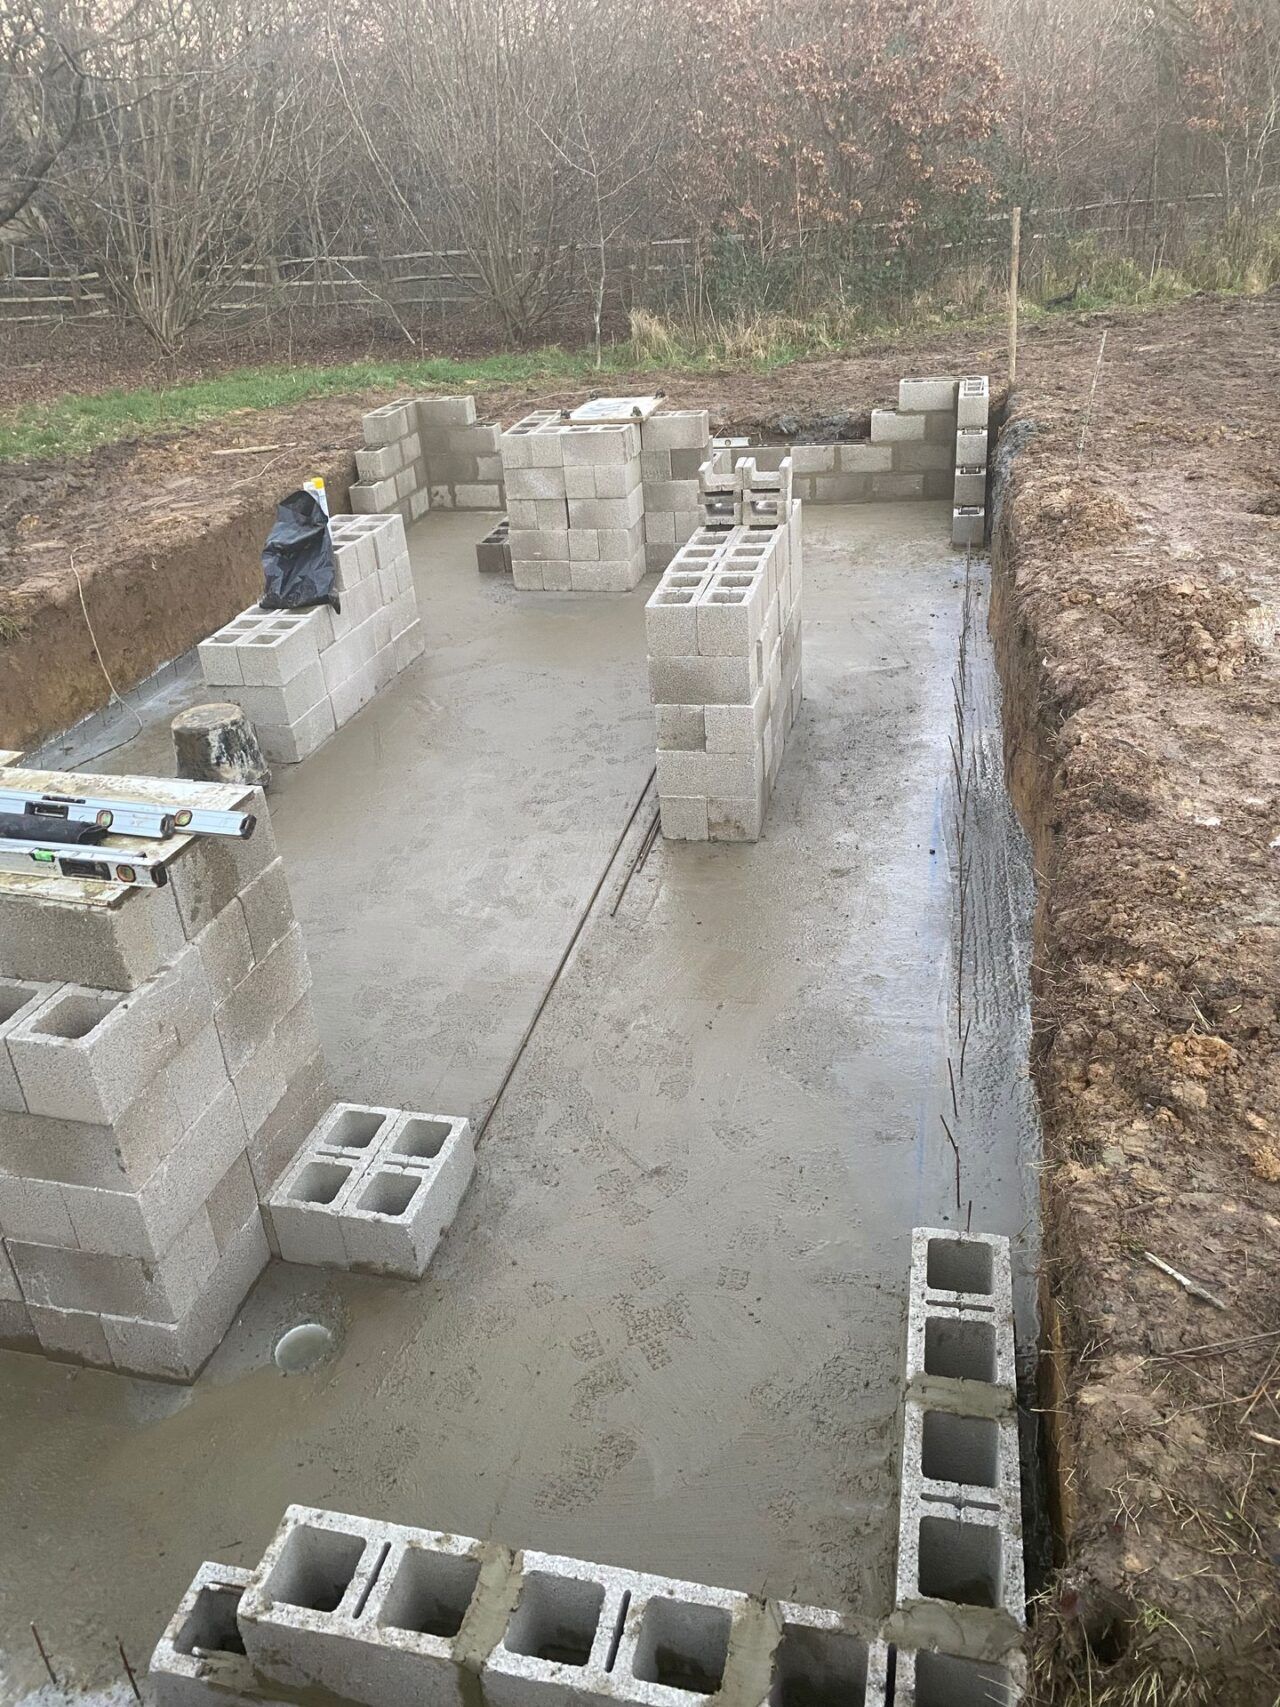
{"x": 667, "y": 1327}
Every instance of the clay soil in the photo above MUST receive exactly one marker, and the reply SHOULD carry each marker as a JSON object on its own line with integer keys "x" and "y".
{"x": 1136, "y": 614}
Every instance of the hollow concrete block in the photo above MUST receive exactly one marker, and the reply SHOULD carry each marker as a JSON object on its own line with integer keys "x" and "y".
{"x": 116, "y": 944}
{"x": 924, "y": 1677}
{"x": 19, "y": 998}
{"x": 305, "y": 1209}
{"x": 200, "y": 1660}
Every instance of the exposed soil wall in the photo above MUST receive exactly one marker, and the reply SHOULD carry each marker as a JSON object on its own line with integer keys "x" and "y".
{"x": 1136, "y": 617}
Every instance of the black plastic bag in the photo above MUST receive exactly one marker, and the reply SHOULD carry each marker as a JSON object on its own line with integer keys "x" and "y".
{"x": 297, "y": 560}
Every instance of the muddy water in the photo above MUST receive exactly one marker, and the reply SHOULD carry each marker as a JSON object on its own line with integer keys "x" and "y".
{"x": 666, "y": 1329}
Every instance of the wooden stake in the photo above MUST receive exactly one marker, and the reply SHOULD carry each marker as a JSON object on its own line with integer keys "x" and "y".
{"x": 1015, "y": 258}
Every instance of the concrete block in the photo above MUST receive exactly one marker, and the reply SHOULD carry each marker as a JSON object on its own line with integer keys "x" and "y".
{"x": 526, "y": 576}
{"x": 971, "y": 447}
{"x": 735, "y": 820}
{"x": 478, "y": 495}
{"x": 737, "y": 728}
{"x": 675, "y": 1643}
{"x": 267, "y": 908}
{"x": 355, "y": 559}
{"x": 542, "y": 484}
{"x": 200, "y": 1660}
{"x": 960, "y": 1312}
{"x": 277, "y": 1139}
{"x": 599, "y": 445}
{"x": 10, "y": 1291}
{"x": 703, "y": 680}
{"x": 35, "y": 1211}
{"x": 621, "y": 513}
{"x": 271, "y": 989}
{"x": 615, "y": 481}
{"x": 391, "y": 422}
{"x": 86, "y": 1054}
{"x": 447, "y": 413}
{"x": 304, "y": 1210}
{"x": 373, "y": 500}
{"x": 291, "y": 743}
{"x": 820, "y": 1657}
{"x": 210, "y": 872}
{"x": 974, "y": 403}
{"x": 114, "y": 945}
{"x": 671, "y": 620}
{"x": 684, "y": 429}
{"x": 918, "y": 396}
{"x": 968, "y": 525}
{"x": 66, "y": 1279}
{"x": 897, "y": 486}
{"x": 279, "y": 649}
{"x": 407, "y": 646}
{"x": 681, "y": 728}
{"x": 299, "y": 1611}
{"x": 16, "y": 1330}
{"x": 865, "y": 458}
{"x": 814, "y": 459}
{"x": 285, "y": 705}
{"x": 970, "y": 486}
{"x": 178, "y": 1350}
{"x": 925, "y": 1678}
{"x": 955, "y": 1456}
{"x": 561, "y": 1635}
{"x": 75, "y": 1335}
{"x": 384, "y": 463}
{"x": 729, "y": 616}
{"x": 387, "y": 1224}
{"x": 890, "y": 428}
{"x": 539, "y": 546}
{"x": 18, "y": 1001}
{"x": 684, "y": 817}
{"x": 923, "y": 458}
{"x": 964, "y": 1557}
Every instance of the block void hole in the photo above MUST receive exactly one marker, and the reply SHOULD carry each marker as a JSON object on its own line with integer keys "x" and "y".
{"x": 13, "y": 999}
{"x": 944, "y": 1680}
{"x": 422, "y": 1139}
{"x": 210, "y": 1627}
{"x": 963, "y": 1350}
{"x": 319, "y": 1182}
{"x": 959, "y": 1265}
{"x": 682, "y": 1645}
{"x": 74, "y": 1016}
{"x": 354, "y": 1129}
{"x": 556, "y": 1619}
{"x": 960, "y": 1449}
{"x": 315, "y": 1568}
{"x": 960, "y": 1562}
{"x": 818, "y": 1668}
{"x": 430, "y": 1593}
{"x": 389, "y": 1194}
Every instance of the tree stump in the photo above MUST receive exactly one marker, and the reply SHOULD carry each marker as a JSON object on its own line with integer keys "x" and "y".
{"x": 216, "y": 743}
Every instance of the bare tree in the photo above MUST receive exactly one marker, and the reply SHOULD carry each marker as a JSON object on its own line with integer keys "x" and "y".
{"x": 43, "y": 78}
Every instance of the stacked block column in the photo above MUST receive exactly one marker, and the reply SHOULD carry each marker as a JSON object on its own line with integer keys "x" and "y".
{"x": 299, "y": 675}
{"x": 672, "y": 449}
{"x": 159, "y": 1067}
{"x": 575, "y": 505}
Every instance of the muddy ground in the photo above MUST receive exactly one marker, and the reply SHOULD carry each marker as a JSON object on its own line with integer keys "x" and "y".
{"x": 1135, "y": 613}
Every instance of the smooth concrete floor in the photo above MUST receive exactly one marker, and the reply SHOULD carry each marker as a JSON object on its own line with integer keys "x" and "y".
{"x": 667, "y": 1328}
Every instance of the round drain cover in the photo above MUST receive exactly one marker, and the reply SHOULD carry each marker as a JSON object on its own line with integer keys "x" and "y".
{"x": 302, "y": 1347}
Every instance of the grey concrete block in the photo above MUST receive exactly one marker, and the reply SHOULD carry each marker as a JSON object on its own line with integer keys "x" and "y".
{"x": 614, "y": 481}
{"x": 971, "y": 447}
{"x": 974, "y": 404}
{"x": 924, "y": 1677}
{"x": 737, "y": 728}
{"x": 685, "y": 429}
{"x": 75, "y": 1335}
{"x": 729, "y": 618}
{"x": 65, "y": 1279}
{"x": 684, "y": 817}
{"x": 200, "y": 1661}
{"x": 304, "y": 1209}
{"x": 445, "y": 413}
{"x": 277, "y": 1139}
{"x": 681, "y": 728}
{"x": 540, "y": 484}
{"x": 384, "y": 463}
{"x": 212, "y": 870}
{"x": 918, "y": 396}
{"x": 35, "y": 1211}
{"x": 17, "y": 1332}
{"x": 968, "y": 525}
{"x": 960, "y": 1310}
{"x": 814, "y": 459}
{"x": 866, "y": 458}
{"x": 923, "y": 458}
{"x": 703, "y": 680}
{"x": 18, "y": 1001}
{"x": 889, "y": 428}
{"x": 735, "y": 820}
{"x": 85, "y": 1054}
{"x": 268, "y": 909}
{"x": 387, "y": 1224}
{"x": 820, "y": 1656}
{"x": 671, "y": 621}
{"x": 298, "y": 1614}
{"x": 291, "y": 743}
{"x": 283, "y": 705}
{"x": 540, "y": 546}
{"x": 621, "y": 513}
{"x": 897, "y": 486}
{"x": 276, "y": 983}
{"x": 387, "y": 424}
{"x": 599, "y": 445}
{"x": 970, "y": 486}
{"x": 225, "y": 950}
{"x": 408, "y": 646}
{"x": 115, "y": 944}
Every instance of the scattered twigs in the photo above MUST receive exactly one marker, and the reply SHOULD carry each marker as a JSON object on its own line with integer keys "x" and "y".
{"x": 1192, "y": 1286}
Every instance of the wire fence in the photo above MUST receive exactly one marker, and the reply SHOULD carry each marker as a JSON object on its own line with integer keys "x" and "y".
{"x": 425, "y": 290}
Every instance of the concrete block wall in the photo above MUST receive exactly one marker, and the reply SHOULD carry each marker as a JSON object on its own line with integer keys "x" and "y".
{"x": 673, "y": 447}
{"x": 373, "y": 1188}
{"x": 427, "y": 453}
{"x": 386, "y": 1615}
{"x": 159, "y": 1067}
{"x": 299, "y": 675}
{"x": 723, "y": 633}
{"x": 960, "y": 1511}
{"x": 575, "y": 504}
{"x": 969, "y": 516}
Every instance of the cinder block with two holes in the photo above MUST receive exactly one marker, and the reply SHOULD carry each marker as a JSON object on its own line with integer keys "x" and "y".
{"x": 200, "y": 1659}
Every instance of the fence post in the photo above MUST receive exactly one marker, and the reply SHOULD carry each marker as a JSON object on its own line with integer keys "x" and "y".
{"x": 1015, "y": 257}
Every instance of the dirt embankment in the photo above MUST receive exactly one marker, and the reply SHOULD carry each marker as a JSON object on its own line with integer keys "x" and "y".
{"x": 1137, "y": 618}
